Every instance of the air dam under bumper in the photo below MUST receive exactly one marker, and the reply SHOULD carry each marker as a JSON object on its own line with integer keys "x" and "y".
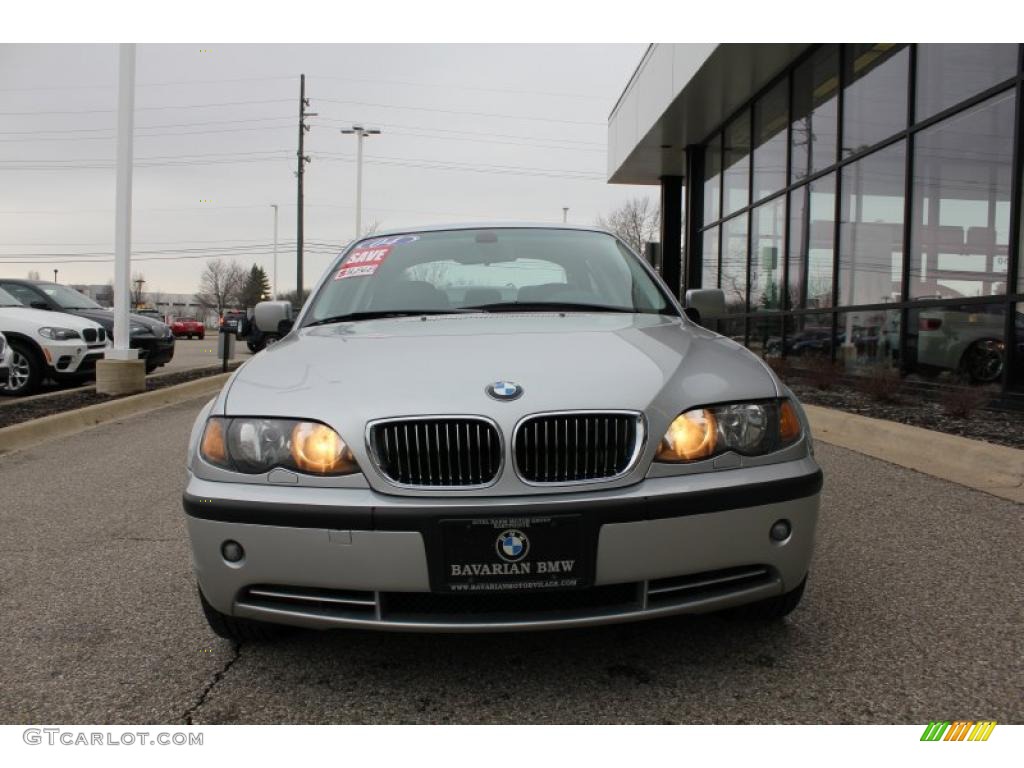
{"x": 709, "y": 555}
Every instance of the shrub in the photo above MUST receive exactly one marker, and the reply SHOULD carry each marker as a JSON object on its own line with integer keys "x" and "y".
{"x": 781, "y": 365}
{"x": 960, "y": 402}
{"x": 880, "y": 382}
{"x": 821, "y": 372}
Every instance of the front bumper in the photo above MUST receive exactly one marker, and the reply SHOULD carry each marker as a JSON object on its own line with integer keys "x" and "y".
{"x": 154, "y": 350}
{"x": 363, "y": 559}
{"x": 73, "y": 360}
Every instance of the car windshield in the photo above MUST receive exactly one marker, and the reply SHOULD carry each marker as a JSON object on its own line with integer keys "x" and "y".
{"x": 68, "y": 298}
{"x": 6, "y": 300}
{"x": 494, "y": 270}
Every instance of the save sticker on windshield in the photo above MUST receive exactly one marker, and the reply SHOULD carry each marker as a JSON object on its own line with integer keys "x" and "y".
{"x": 363, "y": 262}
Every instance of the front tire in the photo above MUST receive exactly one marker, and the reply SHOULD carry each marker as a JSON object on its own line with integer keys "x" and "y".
{"x": 774, "y": 608}
{"x": 983, "y": 361}
{"x": 238, "y": 630}
{"x": 26, "y": 370}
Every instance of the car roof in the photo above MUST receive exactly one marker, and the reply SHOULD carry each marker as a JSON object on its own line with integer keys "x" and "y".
{"x": 485, "y": 225}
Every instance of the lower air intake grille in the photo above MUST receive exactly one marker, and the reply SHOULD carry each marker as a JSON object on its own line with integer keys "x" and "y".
{"x": 437, "y": 452}
{"x": 523, "y": 604}
{"x": 573, "y": 447}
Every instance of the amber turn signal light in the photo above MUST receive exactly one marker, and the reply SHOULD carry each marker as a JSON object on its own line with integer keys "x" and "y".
{"x": 213, "y": 447}
{"x": 789, "y": 423}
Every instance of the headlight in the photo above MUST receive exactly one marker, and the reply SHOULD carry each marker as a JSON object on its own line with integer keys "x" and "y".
{"x": 254, "y": 446}
{"x": 751, "y": 429}
{"x": 137, "y": 330}
{"x": 59, "y": 334}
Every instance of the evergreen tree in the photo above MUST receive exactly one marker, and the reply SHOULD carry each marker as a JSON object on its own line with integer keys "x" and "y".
{"x": 256, "y": 288}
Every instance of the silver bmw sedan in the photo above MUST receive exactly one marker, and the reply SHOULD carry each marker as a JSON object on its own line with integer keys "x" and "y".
{"x": 498, "y": 428}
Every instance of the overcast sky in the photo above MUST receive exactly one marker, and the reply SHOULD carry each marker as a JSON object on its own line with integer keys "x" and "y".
{"x": 470, "y": 132}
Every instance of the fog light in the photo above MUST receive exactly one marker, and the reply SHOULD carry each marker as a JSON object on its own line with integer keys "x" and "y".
{"x": 233, "y": 551}
{"x": 780, "y": 530}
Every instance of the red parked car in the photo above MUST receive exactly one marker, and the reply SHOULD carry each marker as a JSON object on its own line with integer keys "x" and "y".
{"x": 187, "y": 326}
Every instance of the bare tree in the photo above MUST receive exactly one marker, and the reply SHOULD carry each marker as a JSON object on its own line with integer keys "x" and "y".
{"x": 637, "y": 222}
{"x": 220, "y": 285}
{"x": 138, "y": 280}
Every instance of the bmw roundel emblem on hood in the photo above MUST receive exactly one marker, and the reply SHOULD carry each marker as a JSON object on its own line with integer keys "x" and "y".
{"x": 504, "y": 390}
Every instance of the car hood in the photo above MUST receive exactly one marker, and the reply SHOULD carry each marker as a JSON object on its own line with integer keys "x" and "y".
{"x": 105, "y": 317}
{"x": 26, "y": 319}
{"x": 350, "y": 373}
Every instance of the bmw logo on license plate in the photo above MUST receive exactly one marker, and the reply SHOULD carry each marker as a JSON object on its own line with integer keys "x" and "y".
{"x": 504, "y": 390}
{"x": 512, "y": 546}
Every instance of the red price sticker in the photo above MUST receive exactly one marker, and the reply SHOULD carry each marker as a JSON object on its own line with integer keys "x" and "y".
{"x": 363, "y": 262}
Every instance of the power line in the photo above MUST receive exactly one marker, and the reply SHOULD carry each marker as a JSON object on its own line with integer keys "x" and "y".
{"x": 143, "y": 109}
{"x": 462, "y": 112}
{"x": 146, "y": 127}
{"x": 112, "y": 85}
{"x": 448, "y": 86}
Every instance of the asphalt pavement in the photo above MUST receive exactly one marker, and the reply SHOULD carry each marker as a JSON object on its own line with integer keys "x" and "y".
{"x": 914, "y": 612}
{"x": 196, "y": 353}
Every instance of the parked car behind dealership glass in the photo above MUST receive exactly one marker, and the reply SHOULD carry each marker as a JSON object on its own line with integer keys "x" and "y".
{"x": 152, "y": 338}
{"x": 494, "y": 429}
{"x": 48, "y": 345}
{"x": 966, "y": 339}
{"x": 6, "y": 361}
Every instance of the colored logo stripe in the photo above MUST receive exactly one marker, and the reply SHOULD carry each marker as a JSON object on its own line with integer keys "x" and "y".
{"x": 958, "y": 730}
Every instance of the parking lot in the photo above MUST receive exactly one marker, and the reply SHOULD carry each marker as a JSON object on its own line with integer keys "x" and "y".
{"x": 913, "y": 613}
{"x": 195, "y": 353}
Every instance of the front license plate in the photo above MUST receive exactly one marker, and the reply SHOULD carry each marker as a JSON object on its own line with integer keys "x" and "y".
{"x": 502, "y": 554}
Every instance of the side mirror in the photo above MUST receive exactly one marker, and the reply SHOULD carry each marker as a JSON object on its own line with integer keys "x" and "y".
{"x": 708, "y": 303}
{"x": 284, "y": 327}
{"x": 268, "y": 316}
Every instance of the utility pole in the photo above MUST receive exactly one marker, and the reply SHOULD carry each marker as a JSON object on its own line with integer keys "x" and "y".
{"x": 274, "y": 282}
{"x": 361, "y": 133}
{"x": 303, "y": 159}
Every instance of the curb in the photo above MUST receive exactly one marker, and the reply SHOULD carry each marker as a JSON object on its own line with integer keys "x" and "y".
{"x": 994, "y": 469}
{"x": 29, "y": 433}
{"x": 91, "y": 387}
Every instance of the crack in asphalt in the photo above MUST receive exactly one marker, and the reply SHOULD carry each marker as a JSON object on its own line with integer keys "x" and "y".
{"x": 236, "y": 649}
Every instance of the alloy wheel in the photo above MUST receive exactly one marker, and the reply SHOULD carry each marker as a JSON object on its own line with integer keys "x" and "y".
{"x": 20, "y": 372}
{"x": 984, "y": 361}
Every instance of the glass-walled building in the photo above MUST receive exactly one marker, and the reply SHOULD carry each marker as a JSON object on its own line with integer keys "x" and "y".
{"x": 860, "y": 202}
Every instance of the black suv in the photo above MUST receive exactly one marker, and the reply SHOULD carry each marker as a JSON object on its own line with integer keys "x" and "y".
{"x": 152, "y": 338}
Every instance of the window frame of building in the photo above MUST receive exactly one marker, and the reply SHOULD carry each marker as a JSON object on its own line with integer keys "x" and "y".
{"x": 798, "y": 242}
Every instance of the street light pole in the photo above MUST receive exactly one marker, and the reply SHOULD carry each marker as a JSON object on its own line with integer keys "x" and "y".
{"x": 55, "y": 275}
{"x": 274, "y": 284}
{"x": 361, "y": 133}
{"x": 123, "y": 213}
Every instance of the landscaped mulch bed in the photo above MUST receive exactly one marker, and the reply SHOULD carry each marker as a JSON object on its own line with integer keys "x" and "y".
{"x": 15, "y": 411}
{"x": 1003, "y": 427}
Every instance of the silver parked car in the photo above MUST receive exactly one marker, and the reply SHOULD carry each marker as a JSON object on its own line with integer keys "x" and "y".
{"x": 501, "y": 428}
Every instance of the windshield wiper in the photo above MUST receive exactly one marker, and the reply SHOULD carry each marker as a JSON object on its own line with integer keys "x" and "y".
{"x": 383, "y": 313}
{"x": 548, "y": 306}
